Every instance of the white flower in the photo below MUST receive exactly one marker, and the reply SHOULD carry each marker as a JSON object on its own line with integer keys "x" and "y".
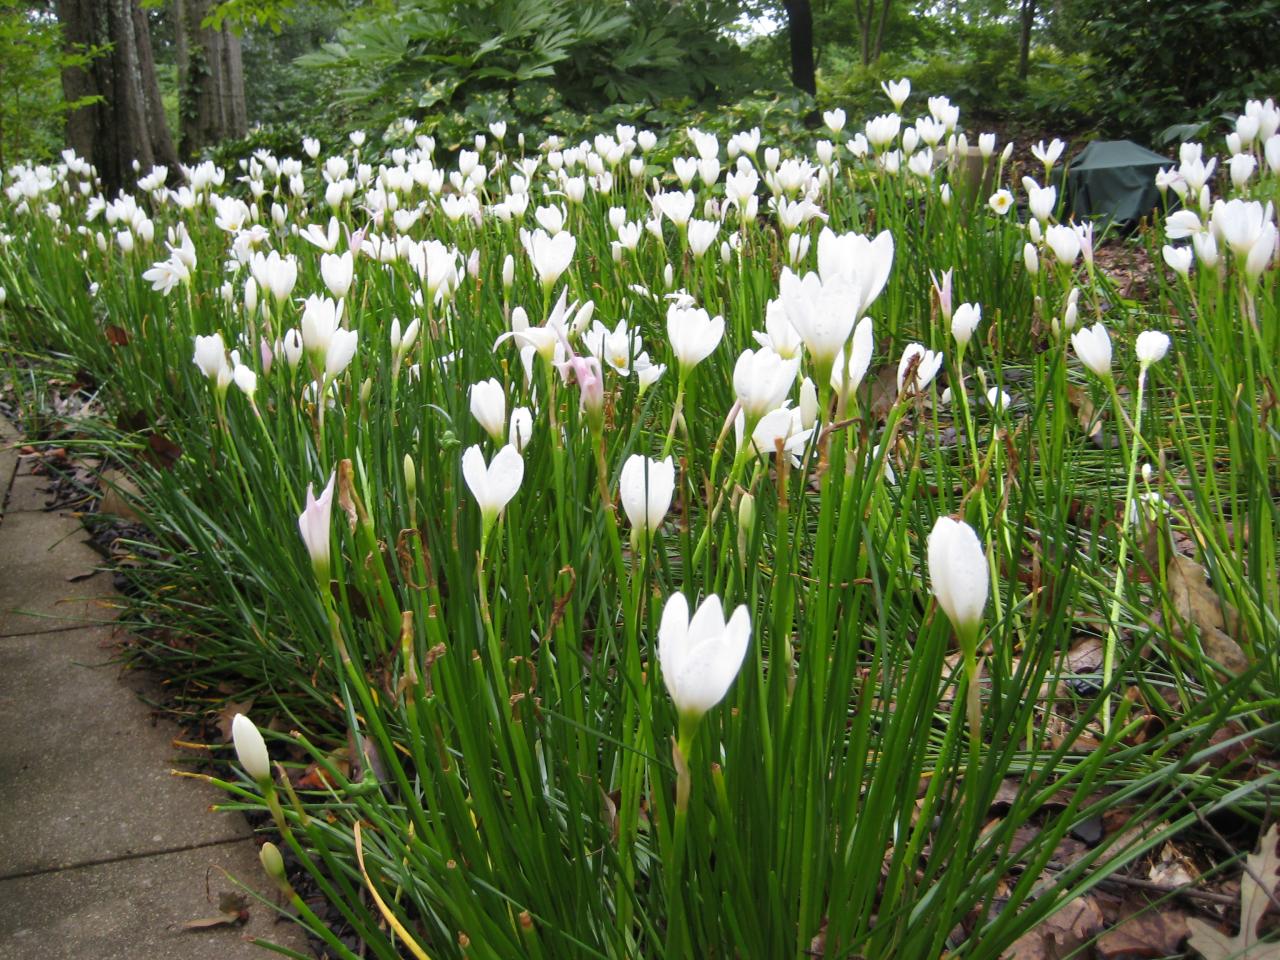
{"x": 917, "y": 368}
{"x": 958, "y": 573}
{"x": 762, "y": 379}
{"x": 338, "y": 271}
{"x": 551, "y": 256}
{"x": 693, "y": 334}
{"x": 1178, "y": 259}
{"x": 1181, "y": 224}
{"x": 251, "y": 749}
{"x": 489, "y": 407}
{"x": 823, "y": 312}
{"x": 493, "y": 485}
{"x": 779, "y": 335}
{"x": 834, "y": 119}
{"x": 1040, "y": 200}
{"x": 210, "y": 355}
{"x": 1064, "y": 242}
{"x": 1001, "y": 202}
{"x": 1151, "y": 347}
{"x": 1093, "y": 347}
{"x": 845, "y": 379}
{"x": 521, "y": 428}
{"x": 1048, "y": 155}
{"x": 701, "y": 657}
{"x": 646, "y": 488}
{"x": 897, "y": 91}
{"x": 964, "y": 321}
{"x": 341, "y": 350}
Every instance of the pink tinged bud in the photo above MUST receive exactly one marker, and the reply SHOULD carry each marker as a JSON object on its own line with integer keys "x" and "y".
{"x": 251, "y": 749}
{"x": 313, "y": 524}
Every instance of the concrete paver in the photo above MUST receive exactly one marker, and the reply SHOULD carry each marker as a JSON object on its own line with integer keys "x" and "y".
{"x": 48, "y": 580}
{"x": 84, "y": 773}
{"x": 103, "y": 853}
{"x": 28, "y": 492}
{"x": 133, "y": 910}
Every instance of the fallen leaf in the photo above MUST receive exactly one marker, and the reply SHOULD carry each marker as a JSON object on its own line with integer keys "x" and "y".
{"x": 233, "y": 910}
{"x": 1195, "y": 603}
{"x": 1212, "y": 944}
{"x": 228, "y": 714}
{"x": 1144, "y": 935}
{"x": 1061, "y": 935}
{"x": 117, "y": 336}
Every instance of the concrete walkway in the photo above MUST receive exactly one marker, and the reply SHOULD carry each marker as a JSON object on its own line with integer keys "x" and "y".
{"x": 103, "y": 853}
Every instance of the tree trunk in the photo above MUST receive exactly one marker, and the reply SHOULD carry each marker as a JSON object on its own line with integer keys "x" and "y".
{"x": 210, "y": 78}
{"x": 800, "y": 30}
{"x": 879, "y": 44}
{"x": 1024, "y": 38}
{"x": 127, "y": 126}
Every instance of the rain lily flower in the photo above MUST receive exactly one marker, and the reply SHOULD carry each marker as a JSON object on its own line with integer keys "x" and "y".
{"x": 251, "y": 749}
{"x": 338, "y": 271}
{"x": 646, "y": 488}
{"x": 863, "y": 260}
{"x": 762, "y": 379}
{"x": 1178, "y": 259}
{"x": 823, "y": 313}
{"x": 966, "y": 320}
{"x": 1151, "y": 347}
{"x": 210, "y": 355}
{"x": 1093, "y": 347}
{"x": 780, "y": 427}
{"x": 1064, "y": 242}
{"x": 1001, "y": 202}
{"x": 1048, "y": 155}
{"x": 521, "y": 428}
{"x": 897, "y": 91}
{"x": 313, "y": 524}
{"x": 693, "y": 334}
{"x": 493, "y": 484}
{"x": 551, "y": 255}
{"x": 489, "y": 407}
{"x": 700, "y": 657}
{"x": 958, "y": 576}
{"x": 917, "y": 368}
{"x": 846, "y": 378}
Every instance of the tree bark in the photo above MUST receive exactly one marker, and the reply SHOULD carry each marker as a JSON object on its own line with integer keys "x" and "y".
{"x": 126, "y": 126}
{"x": 800, "y": 31}
{"x": 210, "y": 78}
{"x": 1028, "y": 18}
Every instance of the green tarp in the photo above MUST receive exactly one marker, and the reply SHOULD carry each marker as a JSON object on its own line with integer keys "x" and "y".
{"x": 1114, "y": 180}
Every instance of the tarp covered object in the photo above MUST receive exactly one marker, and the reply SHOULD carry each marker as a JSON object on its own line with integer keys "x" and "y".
{"x": 1114, "y": 180}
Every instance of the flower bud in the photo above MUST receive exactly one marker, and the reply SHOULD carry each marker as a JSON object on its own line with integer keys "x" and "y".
{"x": 251, "y": 749}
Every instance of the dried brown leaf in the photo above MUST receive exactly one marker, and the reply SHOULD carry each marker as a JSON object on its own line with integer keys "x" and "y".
{"x": 1212, "y": 944}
